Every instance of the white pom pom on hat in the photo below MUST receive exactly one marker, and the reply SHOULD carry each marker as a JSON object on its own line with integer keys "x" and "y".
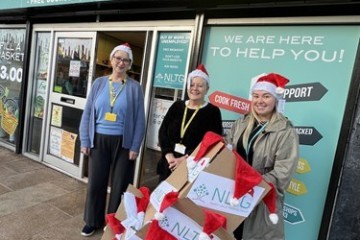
{"x": 125, "y": 48}
{"x": 273, "y": 83}
{"x": 270, "y": 202}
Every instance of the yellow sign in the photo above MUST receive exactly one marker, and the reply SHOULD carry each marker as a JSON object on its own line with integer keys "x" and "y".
{"x": 297, "y": 187}
{"x": 303, "y": 166}
{"x": 56, "y": 116}
{"x": 68, "y": 145}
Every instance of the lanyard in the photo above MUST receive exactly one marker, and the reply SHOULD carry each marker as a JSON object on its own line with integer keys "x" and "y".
{"x": 253, "y": 138}
{"x": 184, "y": 126}
{"x": 112, "y": 93}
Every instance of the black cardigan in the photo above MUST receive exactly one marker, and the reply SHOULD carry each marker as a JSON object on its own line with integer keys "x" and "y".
{"x": 208, "y": 118}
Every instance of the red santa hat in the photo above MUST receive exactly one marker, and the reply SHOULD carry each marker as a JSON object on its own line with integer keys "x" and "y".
{"x": 270, "y": 202}
{"x": 246, "y": 178}
{"x": 155, "y": 232}
{"x": 209, "y": 140}
{"x": 125, "y": 48}
{"x": 114, "y": 224}
{"x": 273, "y": 83}
{"x": 213, "y": 221}
{"x": 169, "y": 199}
{"x": 143, "y": 202}
{"x": 200, "y": 71}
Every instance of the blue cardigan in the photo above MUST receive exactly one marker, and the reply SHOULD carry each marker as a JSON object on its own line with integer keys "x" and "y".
{"x": 134, "y": 125}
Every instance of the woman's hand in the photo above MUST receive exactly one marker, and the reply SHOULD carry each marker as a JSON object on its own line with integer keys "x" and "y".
{"x": 133, "y": 155}
{"x": 85, "y": 151}
{"x": 174, "y": 162}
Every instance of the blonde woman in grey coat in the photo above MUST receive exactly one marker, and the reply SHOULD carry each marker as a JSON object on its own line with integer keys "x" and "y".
{"x": 268, "y": 142}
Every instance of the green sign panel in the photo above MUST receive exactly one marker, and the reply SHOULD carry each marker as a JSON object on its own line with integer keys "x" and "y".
{"x": 172, "y": 52}
{"x": 10, "y": 4}
{"x": 292, "y": 214}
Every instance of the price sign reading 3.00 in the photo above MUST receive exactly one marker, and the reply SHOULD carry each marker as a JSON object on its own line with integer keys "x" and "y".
{"x": 12, "y": 73}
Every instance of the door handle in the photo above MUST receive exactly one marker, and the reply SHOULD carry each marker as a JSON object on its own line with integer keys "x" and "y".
{"x": 67, "y": 100}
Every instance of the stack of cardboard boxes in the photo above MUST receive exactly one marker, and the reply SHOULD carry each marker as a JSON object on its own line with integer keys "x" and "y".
{"x": 206, "y": 186}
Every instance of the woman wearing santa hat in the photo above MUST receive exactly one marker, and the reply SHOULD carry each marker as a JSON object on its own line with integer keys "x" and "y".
{"x": 112, "y": 128}
{"x": 268, "y": 142}
{"x": 186, "y": 122}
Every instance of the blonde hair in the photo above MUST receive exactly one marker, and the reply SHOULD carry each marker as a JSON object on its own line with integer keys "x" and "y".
{"x": 253, "y": 119}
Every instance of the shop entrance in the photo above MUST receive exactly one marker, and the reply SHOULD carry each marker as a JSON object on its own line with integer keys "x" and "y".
{"x": 67, "y": 62}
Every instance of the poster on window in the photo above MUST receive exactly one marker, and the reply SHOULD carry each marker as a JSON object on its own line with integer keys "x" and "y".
{"x": 319, "y": 69}
{"x": 62, "y": 144}
{"x": 158, "y": 111}
{"x": 171, "y": 59}
{"x": 12, "y": 43}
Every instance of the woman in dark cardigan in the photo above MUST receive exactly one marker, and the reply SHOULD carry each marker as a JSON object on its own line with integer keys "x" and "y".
{"x": 186, "y": 122}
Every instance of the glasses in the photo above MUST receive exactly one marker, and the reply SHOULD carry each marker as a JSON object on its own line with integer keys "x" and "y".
{"x": 124, "y": 60}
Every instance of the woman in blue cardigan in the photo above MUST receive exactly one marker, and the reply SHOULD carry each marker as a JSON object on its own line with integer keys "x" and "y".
{"x": 111, "y": 131}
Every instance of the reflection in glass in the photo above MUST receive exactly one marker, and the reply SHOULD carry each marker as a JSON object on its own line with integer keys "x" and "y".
{"x": 40, "y": 79}
{"x": 11, "y": 69}
{"x": 72, "y": 66}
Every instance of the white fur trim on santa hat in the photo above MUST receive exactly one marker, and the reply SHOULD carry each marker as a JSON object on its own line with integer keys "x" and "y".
{"x": 266, "y": 86}
{"x": 198, "y": 73}
{"x": 123, "y": 48}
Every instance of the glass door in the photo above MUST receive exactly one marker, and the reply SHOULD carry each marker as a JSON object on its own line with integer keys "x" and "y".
{"x": 171, "y": 58}
{"x": 70, "y": 83}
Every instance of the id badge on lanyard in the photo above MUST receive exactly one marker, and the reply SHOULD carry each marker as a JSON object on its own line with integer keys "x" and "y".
{"x": 180, "y": 148}
{"x": 110, "y": 116}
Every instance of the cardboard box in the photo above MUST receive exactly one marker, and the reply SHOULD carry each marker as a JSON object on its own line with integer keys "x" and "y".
{"x": 185, "y": 220}
{"x": 222, "y": 169}
{"x": 121, "y": 213}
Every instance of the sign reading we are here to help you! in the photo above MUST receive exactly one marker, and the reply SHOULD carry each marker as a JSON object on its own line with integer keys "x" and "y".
{"x": 320, "y": 71}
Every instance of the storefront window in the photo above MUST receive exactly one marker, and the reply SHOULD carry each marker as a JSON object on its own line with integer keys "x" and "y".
{"x": 168, "y": 84}
{"x": 12, "y": 43}
{"x": 40, "y": 79}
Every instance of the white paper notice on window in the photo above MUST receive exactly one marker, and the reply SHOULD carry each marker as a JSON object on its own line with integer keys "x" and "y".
{"x": 74, "y": 68}
{"x": 181, "y": 226}
{"x": 55, "y": 141}
{"x": 215, "y": 192}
